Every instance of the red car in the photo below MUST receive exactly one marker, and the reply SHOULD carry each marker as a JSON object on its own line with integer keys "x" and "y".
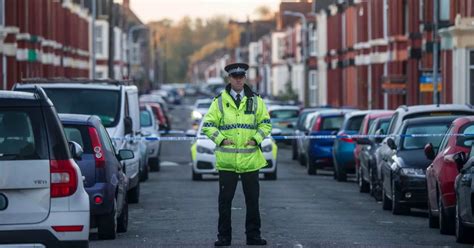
{"x": 441, "y": 175}
{"x": 364, "y": 130}
{"x": 161, "y": 117}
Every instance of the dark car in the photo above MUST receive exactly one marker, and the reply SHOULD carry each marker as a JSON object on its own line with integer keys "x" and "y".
{"x": 464, "y": 188}
{"x": 403, "y": 174}
{"x": 442, "y": 173}
{"x": 105, "y": 181}
{"x": 366, "y": 160}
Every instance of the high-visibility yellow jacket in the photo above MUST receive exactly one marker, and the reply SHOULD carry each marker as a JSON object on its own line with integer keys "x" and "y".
{"x": 250, "y": 121}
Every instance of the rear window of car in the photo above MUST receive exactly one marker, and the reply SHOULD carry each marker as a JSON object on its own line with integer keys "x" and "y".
{"x": 22, "y": 134}
{"x": 80, "y": 135}
{"x": 354, "y": 123}
{"x": 103, "y": 103}
{"x": 145, "y": 118}
{"x": 331, "y": 123}
{"x": 411, "y": 143}
{"x": 284, "y": 114}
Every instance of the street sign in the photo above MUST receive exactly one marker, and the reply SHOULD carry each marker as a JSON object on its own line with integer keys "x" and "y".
{"x": 426, "y": 82}
{"x": 428, "y": 87}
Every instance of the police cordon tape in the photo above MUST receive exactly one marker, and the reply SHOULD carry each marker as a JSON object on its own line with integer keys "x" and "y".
{"x": 293, "y": 137}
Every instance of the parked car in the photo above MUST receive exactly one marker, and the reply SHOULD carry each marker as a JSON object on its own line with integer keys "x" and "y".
{"x": 114, "y": 102}
{"x": 442, "y": 173}
{"x": 165, "y": 109}
{"x": 104, "y": 179}
{"x": 151, "y": 130}
{"x": 42, "y": 198}
{"x": 343, "y": 149}
{"x": 199, "y": 110}
{"x": 300, "y": 130}
{"x": 365, "y": 150}
{"x": 317, "y": 153}
{"x": 404, "y": 172}
{"x": 284, "y": 118}
{"x": 464, "y": 188}
{"x": 204, "y": 160}
{"x": 160, "y": 116}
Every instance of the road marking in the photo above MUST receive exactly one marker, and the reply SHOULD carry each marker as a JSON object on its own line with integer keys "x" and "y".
{"x": 168, "y": 163}
{"x": 298, "y": 245}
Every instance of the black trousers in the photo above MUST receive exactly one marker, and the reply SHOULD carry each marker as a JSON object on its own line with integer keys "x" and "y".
{"x": 227, "y": 185}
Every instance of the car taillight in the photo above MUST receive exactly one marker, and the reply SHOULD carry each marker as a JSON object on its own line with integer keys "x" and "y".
{"x": 97, "y": 148}
{"x": 63, "y": 178}
{"x": 317, "y": 126}
{"x": 68, "y": 228}
{"x": 346, "y": 139}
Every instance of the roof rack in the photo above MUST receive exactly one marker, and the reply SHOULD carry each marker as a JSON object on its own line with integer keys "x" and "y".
{"x": 75, "y": 80}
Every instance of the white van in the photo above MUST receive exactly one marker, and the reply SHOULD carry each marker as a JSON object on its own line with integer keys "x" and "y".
{"x": 114, "y": 102}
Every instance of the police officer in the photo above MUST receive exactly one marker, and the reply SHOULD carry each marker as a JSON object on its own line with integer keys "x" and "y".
{"x": 237, "y": 122}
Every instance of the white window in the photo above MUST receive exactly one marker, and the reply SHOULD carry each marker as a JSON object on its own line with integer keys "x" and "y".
{"x": 313, "y": 40}
{"x": 2, "y": 12}
{"x": 281, "y": 47}
{"x": 385, "y": 18}
{"x": 313, "y": 89}
{"x": 471, "y": 76}
{"x": 99, "y": 40}
{"x": 444, "y": 10}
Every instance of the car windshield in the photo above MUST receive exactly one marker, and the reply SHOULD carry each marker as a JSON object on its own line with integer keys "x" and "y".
{"x": 80, "y": 135}
{"x": 412, "y": 143}
{"x": 145, "y": 119}
{"x": 204, "y": 105}
{"x": 22, "y": 134}
{"x": 284, "y": 114}
{"x": 103, "y": 103}
{"x": 332, "y": 123}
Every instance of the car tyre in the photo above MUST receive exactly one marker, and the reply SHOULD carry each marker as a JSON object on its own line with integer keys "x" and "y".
{"x": 107, "y": 224}
{"x": 295, "y": 150}
{"x": 364, "y": 187}
{"x": 433, "y": 221}
{"x": 397, "y": 207}
{"x": 134, "y": 194}
{"x": 341, "y": 175}
{"x": 122, "y": 222}
{"x": 446, "y": 226}
{"x": 155, "y": 164}
{"x": 464, "y": 234}
{"x": 144, "y": 174}
{"x": 386, "y": 202}
{"x": 302, "y": 160}
{"x": 310, "y": 167}
{"x": 271, "y": 176}
{"x": 196, "y": 176}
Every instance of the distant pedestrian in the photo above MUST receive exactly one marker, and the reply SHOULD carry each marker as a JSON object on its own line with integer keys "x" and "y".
{"x": 238, "y": 121}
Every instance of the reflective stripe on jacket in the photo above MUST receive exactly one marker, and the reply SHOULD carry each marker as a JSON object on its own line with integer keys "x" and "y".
{"x": 250, "y": 121}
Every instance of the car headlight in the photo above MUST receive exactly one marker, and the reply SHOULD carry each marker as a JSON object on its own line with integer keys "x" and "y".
{"x": 412, "y": 172}
{"x": 196, "y": 115}
{"x": 202, "y": 149}
{"x": 267, "y": 148}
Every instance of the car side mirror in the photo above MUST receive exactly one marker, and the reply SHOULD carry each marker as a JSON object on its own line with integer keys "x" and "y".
{"x": 391, "y": 144}
{"x": 379, "y": 133}
{"x": 128, "y": 125}
{"x": 363, "y": 141}
{"x": 290, "y": 125}
{"x": 460, "y": 159}
{"x": 76, "y": 150}
{"x": 429, "y": 151}
{"x": 125, "y": 154}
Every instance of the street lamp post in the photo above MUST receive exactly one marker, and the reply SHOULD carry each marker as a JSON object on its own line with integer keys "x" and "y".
{"x": 304, "y": 33}
{"x": 94, "y": 35}
{"x": 436, "y": 98}
{"x": 130, "y": 33}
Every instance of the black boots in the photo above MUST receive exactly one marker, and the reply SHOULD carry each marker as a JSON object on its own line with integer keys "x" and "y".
{"x": 222, "y": 242}
{"x": 256, "y": 241}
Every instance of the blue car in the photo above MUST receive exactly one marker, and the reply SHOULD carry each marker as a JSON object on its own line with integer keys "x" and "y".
{"x": 343, "y": 150}
{"x": 317, "y": 153}
{"x": 105, "y": 179}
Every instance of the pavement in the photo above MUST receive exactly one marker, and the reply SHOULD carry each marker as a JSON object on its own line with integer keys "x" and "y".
{"x": 297, "y": 210}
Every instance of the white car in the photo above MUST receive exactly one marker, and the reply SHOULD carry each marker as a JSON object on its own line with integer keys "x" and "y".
{"x": 43, "y": 202}
{"x": 200, "y": 109}
{"x": 151, "y": 130}
{"x": 204, "y": 160}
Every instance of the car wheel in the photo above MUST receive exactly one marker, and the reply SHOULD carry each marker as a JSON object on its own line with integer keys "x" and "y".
{"x": 433, "y": 221}
{"x": 397, "y": 207}
{"x": 302, "y": 160}
{"x": 107, "y": 224}
{"x": 363, "y": 185}
{"x": 295, "y": 151}
{"x": 446, "y": 226}
{"x": 464, "y": 234}
{"x": 372, "y": 185}
{"x": 154, "y": 164}
{"x": 270, "y": 176}
{"x": 134, "y": 194}
{"x": 196, "y": 176}
{"x": 310, "y": 167}
{"x": 122, "y": 222}
{"x": 341, "y": 175}
{"x": 386, "y": 202}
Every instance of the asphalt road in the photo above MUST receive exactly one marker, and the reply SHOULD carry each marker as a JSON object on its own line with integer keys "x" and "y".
{"x": 297, "y": 210}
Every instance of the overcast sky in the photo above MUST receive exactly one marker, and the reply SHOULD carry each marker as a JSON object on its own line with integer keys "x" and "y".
{"x": 149, "y": 10}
